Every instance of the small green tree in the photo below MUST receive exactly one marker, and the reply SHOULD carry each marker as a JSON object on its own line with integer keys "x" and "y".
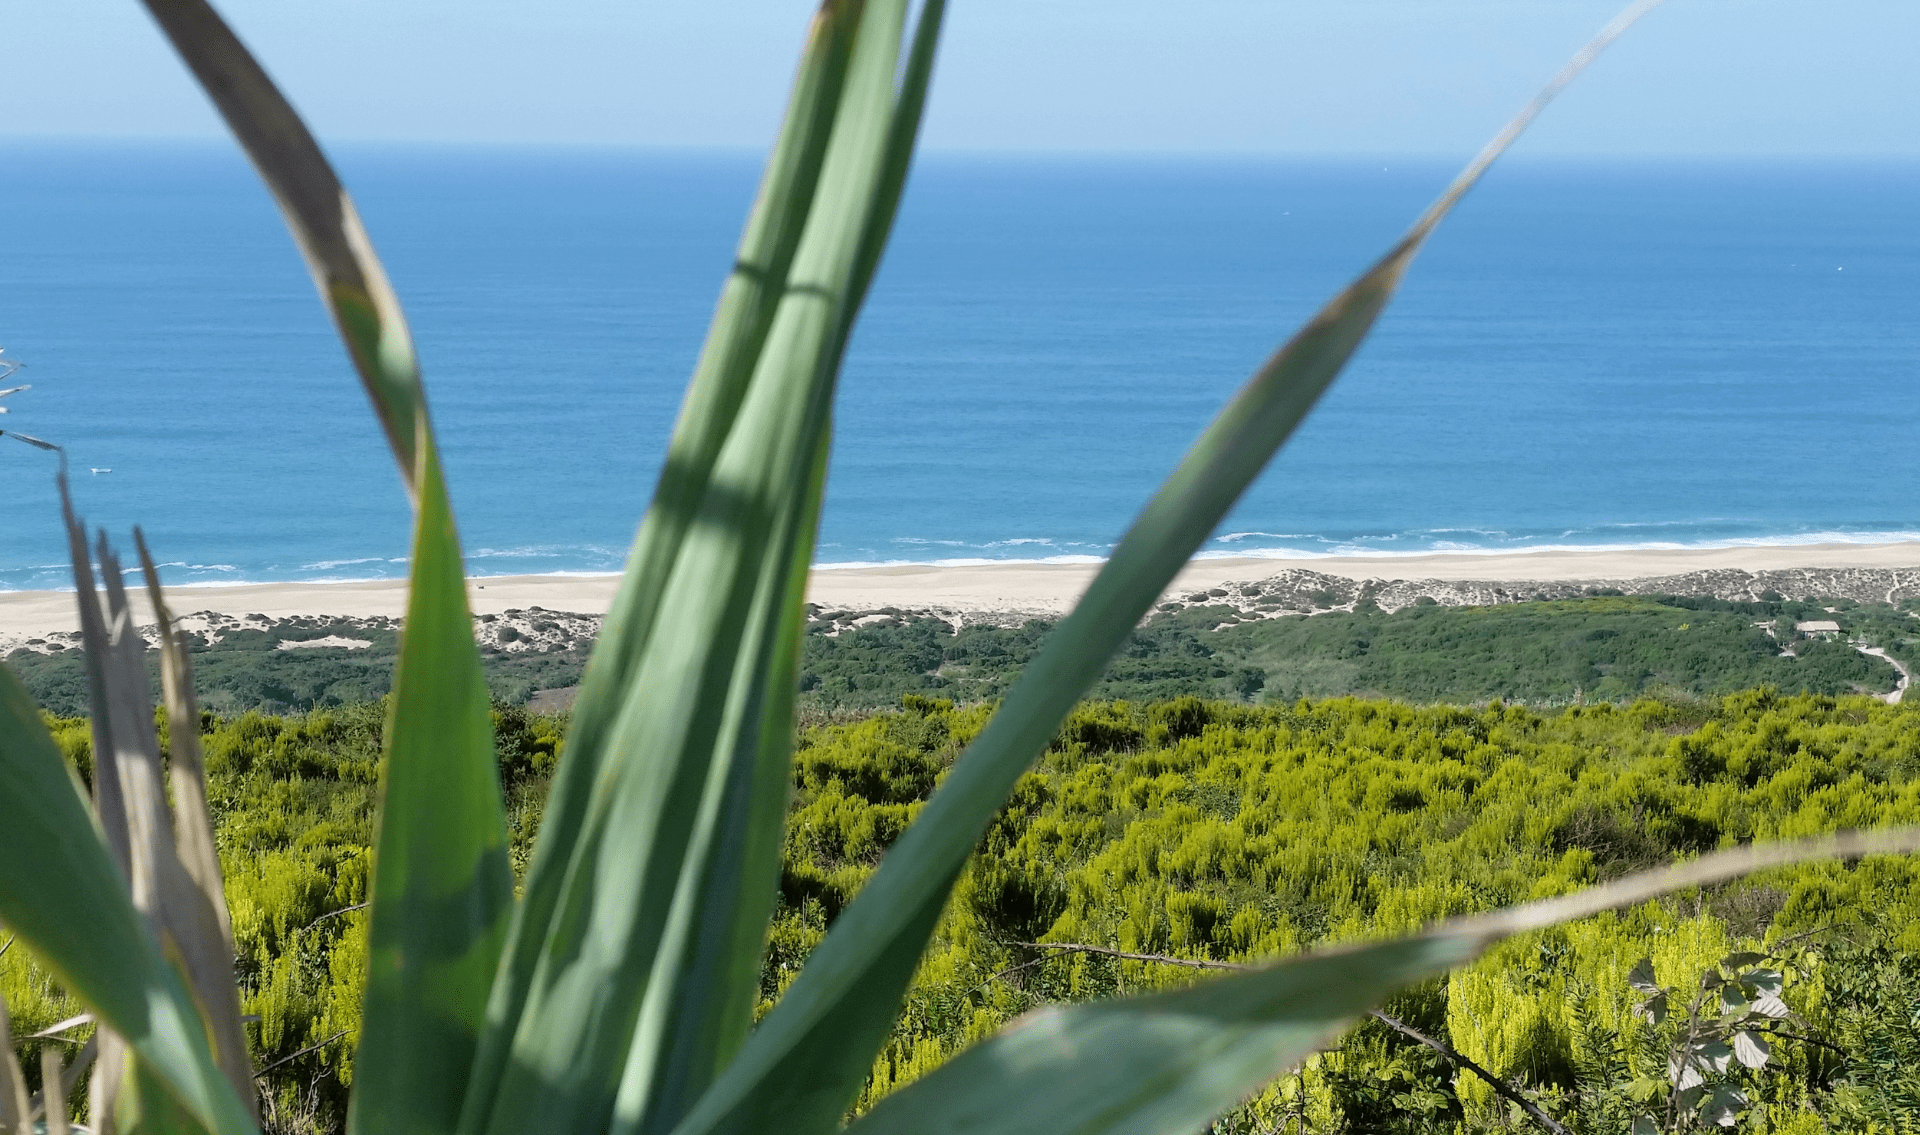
{"x": 1724, "y": 1032}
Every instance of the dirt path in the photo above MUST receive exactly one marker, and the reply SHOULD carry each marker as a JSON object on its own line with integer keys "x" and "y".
{"x": 1900, "y": 687}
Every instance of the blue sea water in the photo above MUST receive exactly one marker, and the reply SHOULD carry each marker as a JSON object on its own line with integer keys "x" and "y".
{"x": 1588, "y": 354}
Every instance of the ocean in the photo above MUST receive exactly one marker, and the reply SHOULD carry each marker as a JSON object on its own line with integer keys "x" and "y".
{"x": 1588, "y": 354}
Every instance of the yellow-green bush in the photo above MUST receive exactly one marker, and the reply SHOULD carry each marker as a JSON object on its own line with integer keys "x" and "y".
{"x": 1223, "y": 832}
{"x": 1220, "y": 832}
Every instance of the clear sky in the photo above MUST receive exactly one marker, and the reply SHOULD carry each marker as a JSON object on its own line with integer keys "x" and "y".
{"x": 1273, "y": 77}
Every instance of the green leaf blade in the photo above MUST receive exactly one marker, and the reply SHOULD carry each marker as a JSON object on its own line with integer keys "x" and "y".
{"x": 685, "y": 1036}
{"x": 442, "y": 887}
{"x": 442, "y": 890}
{"x": 791, "y": 1073}
{"x": 1166, "y": 1064}
{"x": 677, "y": 767}
{"x": 747, "y": 306}
{"x": 64, "y": 896}
{"x": 318, "y": 211}
{"x": 1171, "y": 1063}
{"x": 199, "y": 929}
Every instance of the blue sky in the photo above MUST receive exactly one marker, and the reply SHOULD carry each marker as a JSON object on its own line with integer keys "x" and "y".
{"x": 1269, "y": 77}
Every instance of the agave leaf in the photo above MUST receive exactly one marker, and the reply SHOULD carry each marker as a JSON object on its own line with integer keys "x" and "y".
{"x": 158, "y": 1113}
{"x": 104, "y": 1094}
{"x": 625, "y": 991}
{"x": 59, "y": 1027}
{"x": 54, "y": 1076}
{"x": 107, "y": 799}
{"x": 194, "y": 906}
{"x": 442, "y": 889}
{"x": 33, "y": 441}
{"x": 895, "y": 161}
{"x": 187, "y": 768}
{"x": 747, "y": 307}
{"x": 802, "y": 1067}
{"x": 66, "y": 898}
{"x": 14, "y": 1103}
{"x": 180, "y": 912}
{"x": 1169, "y": 1063}
{"x": 713, "y": 1007}
{"x": 321, "y": 215}
{"x": 69, "y": 1075}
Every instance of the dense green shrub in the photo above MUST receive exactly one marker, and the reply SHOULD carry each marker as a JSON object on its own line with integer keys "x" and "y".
{"x": 1601, "y": 648}
{"x": 1214, "y": 830}
{"x": 1224, "y": 832}
{"x": 248, "y": 669}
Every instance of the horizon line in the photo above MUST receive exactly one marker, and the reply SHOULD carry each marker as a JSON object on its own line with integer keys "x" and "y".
{"x": 985, "y": 153}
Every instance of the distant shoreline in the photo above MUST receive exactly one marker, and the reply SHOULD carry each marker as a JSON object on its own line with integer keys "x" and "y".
{"x": 1040, "y": 590}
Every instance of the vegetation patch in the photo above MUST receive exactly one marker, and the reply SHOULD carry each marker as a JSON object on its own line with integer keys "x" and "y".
{"x": 1559, "y": 652}
{"x": 1219, "y": 831}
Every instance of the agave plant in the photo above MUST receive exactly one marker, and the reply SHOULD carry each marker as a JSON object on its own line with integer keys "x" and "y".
{"x": 7, "y": 369}
{"x": 616, "y": 993}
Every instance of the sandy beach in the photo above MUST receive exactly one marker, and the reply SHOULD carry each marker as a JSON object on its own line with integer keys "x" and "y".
{"x": 1016, "y": 588}
{"x": 1052, "y": 588}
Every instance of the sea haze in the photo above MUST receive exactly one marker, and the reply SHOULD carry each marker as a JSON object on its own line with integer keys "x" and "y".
{"x": 1588, "y": 354}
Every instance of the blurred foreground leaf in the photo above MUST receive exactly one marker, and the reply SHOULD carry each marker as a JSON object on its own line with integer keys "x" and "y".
{"x": 627, "y": 988}
{"x": 441, "y": 888}
{"x": 62, "y": 893}
{"x": 1169, "y": 1063}
{"x": 803, "y": 1066}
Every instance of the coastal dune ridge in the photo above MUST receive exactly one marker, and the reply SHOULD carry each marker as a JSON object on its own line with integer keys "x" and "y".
{"x": 1008, "y": 592}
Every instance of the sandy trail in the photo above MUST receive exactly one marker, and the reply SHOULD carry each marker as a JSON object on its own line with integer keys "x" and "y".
{"x": 1899, "y": 690}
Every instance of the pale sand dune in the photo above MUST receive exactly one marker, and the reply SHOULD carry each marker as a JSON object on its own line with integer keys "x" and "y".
{"x": 1052, "y": 588}
{"x": 25, "y": 614}
{"x": 1039, "y": 589}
